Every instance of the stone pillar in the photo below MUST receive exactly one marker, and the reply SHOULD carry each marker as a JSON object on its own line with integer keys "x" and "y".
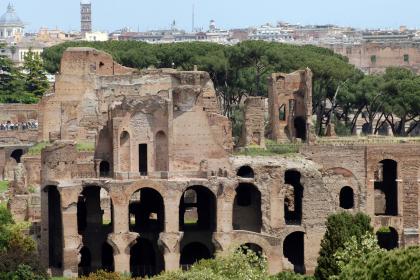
{"x": 121, "y": 243}
{"x": 120, "y": 203}
{"x": 254, "y": 127}
{"x": 170, "y": 242}
{"x": 172, "y": 214}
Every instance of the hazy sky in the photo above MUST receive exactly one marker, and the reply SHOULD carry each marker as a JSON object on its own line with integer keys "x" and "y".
{"x": 109, "y": 15}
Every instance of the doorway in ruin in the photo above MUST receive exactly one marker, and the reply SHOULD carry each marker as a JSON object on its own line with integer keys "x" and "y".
{"x": 104, "y": 169}
{"x": 143, "y": 159}
{"x": 145, "y": 259}
{"x": 247, "y": 213}
{"x": 197, "y": 210}
{"x": 293, "y": 251}
{"x": 386, "y": 188}
{"x": 107, "y": 259}
{"x": 193, "y": 253}
{"x": 146, "y": 211}
{"x": 300, "y": 128}
{"x": 256, "y": 249}
{"x": 125, "y": 156}
{"x": 17, "y": 155}
{"x": 245, "y": 172}
{"x": 162, "y": 152}
{"x": 346, "y": 198}
{"x": 94, "y": 224}
{"x": 85, "y": 264}
{"x": 55, "y": 228}
{"x": 293, "y": 198}
{"x": 388, "y": 239}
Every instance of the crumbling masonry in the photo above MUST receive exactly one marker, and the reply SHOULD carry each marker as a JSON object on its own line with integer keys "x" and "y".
{"x": 162, "y": 188}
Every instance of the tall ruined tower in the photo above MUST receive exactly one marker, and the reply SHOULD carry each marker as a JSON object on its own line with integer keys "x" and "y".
{"x": 85, "y": 16}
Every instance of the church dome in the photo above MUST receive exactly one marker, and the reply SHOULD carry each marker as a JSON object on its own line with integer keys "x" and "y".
{"x": 10, "y": 18}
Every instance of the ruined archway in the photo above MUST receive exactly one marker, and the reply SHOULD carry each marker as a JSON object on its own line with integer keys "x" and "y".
{"x": 145, "y": 259}
{"x": 294, "y": 251}
{"x": 85, "y": 265}
{"x": 193, "y": 253}
{"x": 203, "y": 203}
{"x": 125, "y": 156}
{"x": 293, "y": 198}
{"x": 247, "y": 213}
{"x": 17, "y": 155}
{"x": 300, "y": 128}
{"x": 387, "y": 238}
{"x": 104, "y": 169}
{"x": 346, "y": 198}
{"x": 386, "y": 188}
{"x": 245, "y": 172}
{"x": 107, "y": 259}
{"x": 55, "y": 228}
{"x": 94, "y": 224}
{"x": 146, "y": 211}
{"x": 255, "y": 248}
{"x": 161, "y": 152}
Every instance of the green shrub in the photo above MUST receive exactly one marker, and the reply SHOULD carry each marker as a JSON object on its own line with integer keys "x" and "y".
{"x": 400, "y": 264}
{"x": 340, "y": 228}
{"x": 291, "y": 276}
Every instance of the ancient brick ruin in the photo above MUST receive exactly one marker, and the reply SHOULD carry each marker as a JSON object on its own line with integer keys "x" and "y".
{"x": 162, "y": 187}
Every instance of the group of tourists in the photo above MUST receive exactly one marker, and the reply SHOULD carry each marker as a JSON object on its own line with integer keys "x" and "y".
{"x": 19, "y": 125}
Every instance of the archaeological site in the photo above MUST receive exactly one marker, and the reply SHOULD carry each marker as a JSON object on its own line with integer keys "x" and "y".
{"x": 137, "y": 171}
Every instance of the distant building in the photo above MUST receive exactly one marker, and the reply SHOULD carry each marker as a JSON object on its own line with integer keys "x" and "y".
{"x": 11, "y": 27}
{"x": 86, "y": 16}
{"x": 96, "y": 36}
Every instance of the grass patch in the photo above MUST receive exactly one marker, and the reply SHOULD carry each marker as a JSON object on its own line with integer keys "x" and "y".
{"x": 36, "y": 149}
{"x": 85, "y": 147}
{"x": 4, "y": 185}
{"x": 271, "y": 149}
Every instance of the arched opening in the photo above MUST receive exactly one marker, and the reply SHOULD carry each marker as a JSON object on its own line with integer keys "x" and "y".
{"x": 300, "y": 128}
{"x": 293, "y": 197}
{"x": 293, "y": 250}
{"x": 346, "y": 198}
{"x": 387, "y": 238}
{"x": 256, "y": 249}
{"x": 145, "y": 259}
{"x": 85, "y": 265}
{"x": 94, "y": 223}
{"x": 245, "y": 172}
{"x": 386, "y": 188}
{"x": 193, "y": 253}
{"x": 203, "y": 203}
{"x": 55, "y": 228}
{"x": 383, "y": 129}
{"x": 146, "y": 211}
{"x": 104, "y": 169}
{"x": 125, "y": 156}
{"x": 107, "y": 257}
{"x": 247, "y": 208}
{"x": 17, "y": 155}
{"x": 162, "y": 152}
{"x": 366, "y": 129}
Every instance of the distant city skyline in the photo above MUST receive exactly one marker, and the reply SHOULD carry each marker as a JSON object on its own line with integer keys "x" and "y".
{"x": 137, "y": 14}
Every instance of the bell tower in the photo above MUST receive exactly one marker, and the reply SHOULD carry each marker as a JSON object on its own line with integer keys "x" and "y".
{"x": 85, "y": 16}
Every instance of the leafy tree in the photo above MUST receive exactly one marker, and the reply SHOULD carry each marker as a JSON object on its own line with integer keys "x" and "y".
{"x": 400, "y": 264}
{"x": 340, "y": 229}
{"x": 36, "y": 81}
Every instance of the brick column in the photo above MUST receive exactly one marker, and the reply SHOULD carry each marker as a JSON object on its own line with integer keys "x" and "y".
{"x": 121, "y": 243}
{"x": 171, "y": 254}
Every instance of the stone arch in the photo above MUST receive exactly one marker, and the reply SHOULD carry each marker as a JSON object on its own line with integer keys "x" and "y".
{"x": 346, "y": 198}
{"x": 125, "y": 152}
{"x": 104, "y": 169}
{"x": 293, "y": 201}
{"x": 245, "y": 171}
{"x": 294, "y": 251}
{"x": 194, "y": 252}
{"x": 388, "y": 240}
{"x": 55, "y": 228}
{"x": 146, "y": 211}
{"x": 145, "y": 259}
{"x": 205, "y": 207}
{"x": 247, "y": 214}
{"x": 17, "y": 155}
{"x": 161, "y": 152}
{"x": 300, "y": 128}
{"x": 386, "y": 188}
{"x": 255, "y": 248}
